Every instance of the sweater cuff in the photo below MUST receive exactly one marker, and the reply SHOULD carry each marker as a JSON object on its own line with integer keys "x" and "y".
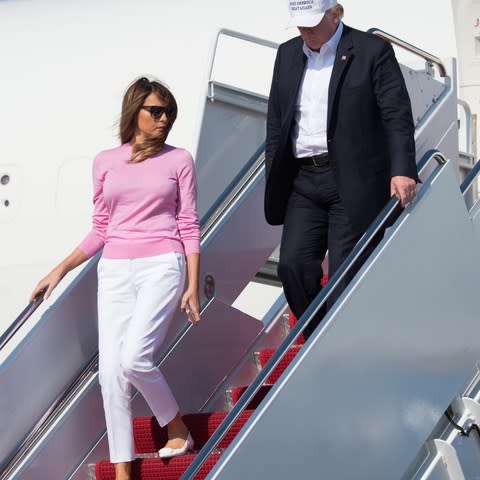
{"x": 191, "y": 246}
{"x": 90, "y": 247}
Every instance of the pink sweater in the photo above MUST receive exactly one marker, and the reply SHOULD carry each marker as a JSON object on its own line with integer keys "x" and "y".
{"x": 143, "y": 209}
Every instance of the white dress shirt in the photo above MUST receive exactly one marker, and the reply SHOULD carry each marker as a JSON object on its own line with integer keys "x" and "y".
{"x": 309, "y": 133}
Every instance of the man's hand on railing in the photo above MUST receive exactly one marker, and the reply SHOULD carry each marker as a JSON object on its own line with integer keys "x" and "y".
{"x": 404, "y": 188}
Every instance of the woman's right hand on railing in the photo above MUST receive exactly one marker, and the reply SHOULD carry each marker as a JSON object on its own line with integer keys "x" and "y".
{"x": 46, "y": 285}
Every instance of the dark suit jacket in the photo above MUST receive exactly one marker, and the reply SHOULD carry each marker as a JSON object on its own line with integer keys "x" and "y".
{"x": 370, "y": 130}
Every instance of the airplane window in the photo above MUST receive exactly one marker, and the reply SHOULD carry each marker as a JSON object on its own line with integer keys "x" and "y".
{"x": 6, "y": 203}
{"x": 5, "y": 180}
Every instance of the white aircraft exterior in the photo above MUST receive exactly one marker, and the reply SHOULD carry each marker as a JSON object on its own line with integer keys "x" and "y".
{"x": 64, "y": 68}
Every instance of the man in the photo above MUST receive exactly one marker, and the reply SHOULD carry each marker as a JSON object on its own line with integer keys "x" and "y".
{"x": 340, "y": 141}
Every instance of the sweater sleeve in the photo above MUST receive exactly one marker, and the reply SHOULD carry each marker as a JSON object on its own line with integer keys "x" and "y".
{"x": 95, "y": 239}
{"x": 187, "y": 216}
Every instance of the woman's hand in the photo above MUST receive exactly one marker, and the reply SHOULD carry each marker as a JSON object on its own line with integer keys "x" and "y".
{"x": 190, "y": 300}
{"x": 191, "y": 305}
{"x": 48, "y": 283}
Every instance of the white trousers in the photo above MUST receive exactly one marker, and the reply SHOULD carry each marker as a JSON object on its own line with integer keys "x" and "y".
{"x": 137, "y": 299}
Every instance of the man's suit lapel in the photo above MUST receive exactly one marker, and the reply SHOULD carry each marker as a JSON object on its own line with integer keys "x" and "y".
{"x": 343, "y": 57}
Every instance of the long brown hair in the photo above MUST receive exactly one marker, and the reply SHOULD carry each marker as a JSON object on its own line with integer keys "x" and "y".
{"x": 133, "y": 100}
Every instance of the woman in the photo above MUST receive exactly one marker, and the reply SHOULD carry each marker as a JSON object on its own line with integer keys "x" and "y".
{"x": 146, "y": 221}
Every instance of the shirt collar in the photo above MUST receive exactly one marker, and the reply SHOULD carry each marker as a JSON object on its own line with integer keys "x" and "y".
{"x": 331, "y": 45}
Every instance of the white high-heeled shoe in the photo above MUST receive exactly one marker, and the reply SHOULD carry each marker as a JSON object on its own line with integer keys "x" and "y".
{"x": 167, "y": 452}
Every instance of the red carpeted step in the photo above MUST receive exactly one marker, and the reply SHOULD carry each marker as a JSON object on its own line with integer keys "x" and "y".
{"x": 236, "y": 393}
{"x": 156, "y": 468}
{"x": 150, "y": 437}
{"x": 265, "y": 355}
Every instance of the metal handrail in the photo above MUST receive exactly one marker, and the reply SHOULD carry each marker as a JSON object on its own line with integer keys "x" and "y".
{"x": 469, "y": 124}
{"x": 428, "y": 156}
{"x": 234, "y": 34}
{"x": 242, "y": 36}
{"x": 233, "y": 187}
{"x": 226, "y": 199}
{"x": 17, "y": 324}
{"x": 431, "y": 59}
{"x": 383, "y": 218}
{"x": 469, "y": 179}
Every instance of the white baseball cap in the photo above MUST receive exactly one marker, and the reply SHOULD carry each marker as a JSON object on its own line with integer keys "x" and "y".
{"x": 308, "y": 13}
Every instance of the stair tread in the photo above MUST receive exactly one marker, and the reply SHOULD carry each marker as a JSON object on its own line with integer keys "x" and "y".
{"x": 155, "y": 468}
{"x": 266, "y": 354}
{"x": 150, "y": 437}
{"x": 236, "y": 393}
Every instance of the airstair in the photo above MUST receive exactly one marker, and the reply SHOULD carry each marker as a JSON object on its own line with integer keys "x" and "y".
{"x": 388, "y": 386}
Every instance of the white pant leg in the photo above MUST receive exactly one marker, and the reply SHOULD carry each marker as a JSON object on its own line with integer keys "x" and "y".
{"x": 116, "y": 304}
{"x": 160, "y": 282}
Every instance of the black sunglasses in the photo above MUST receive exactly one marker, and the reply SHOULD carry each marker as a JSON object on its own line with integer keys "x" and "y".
{"x": 156, "y": 112}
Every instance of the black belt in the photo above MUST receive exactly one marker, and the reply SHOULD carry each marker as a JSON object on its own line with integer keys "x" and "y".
{"x": 315, "y": 160}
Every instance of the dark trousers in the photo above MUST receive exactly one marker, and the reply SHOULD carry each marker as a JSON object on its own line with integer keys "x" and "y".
{"x": 315, "y": 222}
